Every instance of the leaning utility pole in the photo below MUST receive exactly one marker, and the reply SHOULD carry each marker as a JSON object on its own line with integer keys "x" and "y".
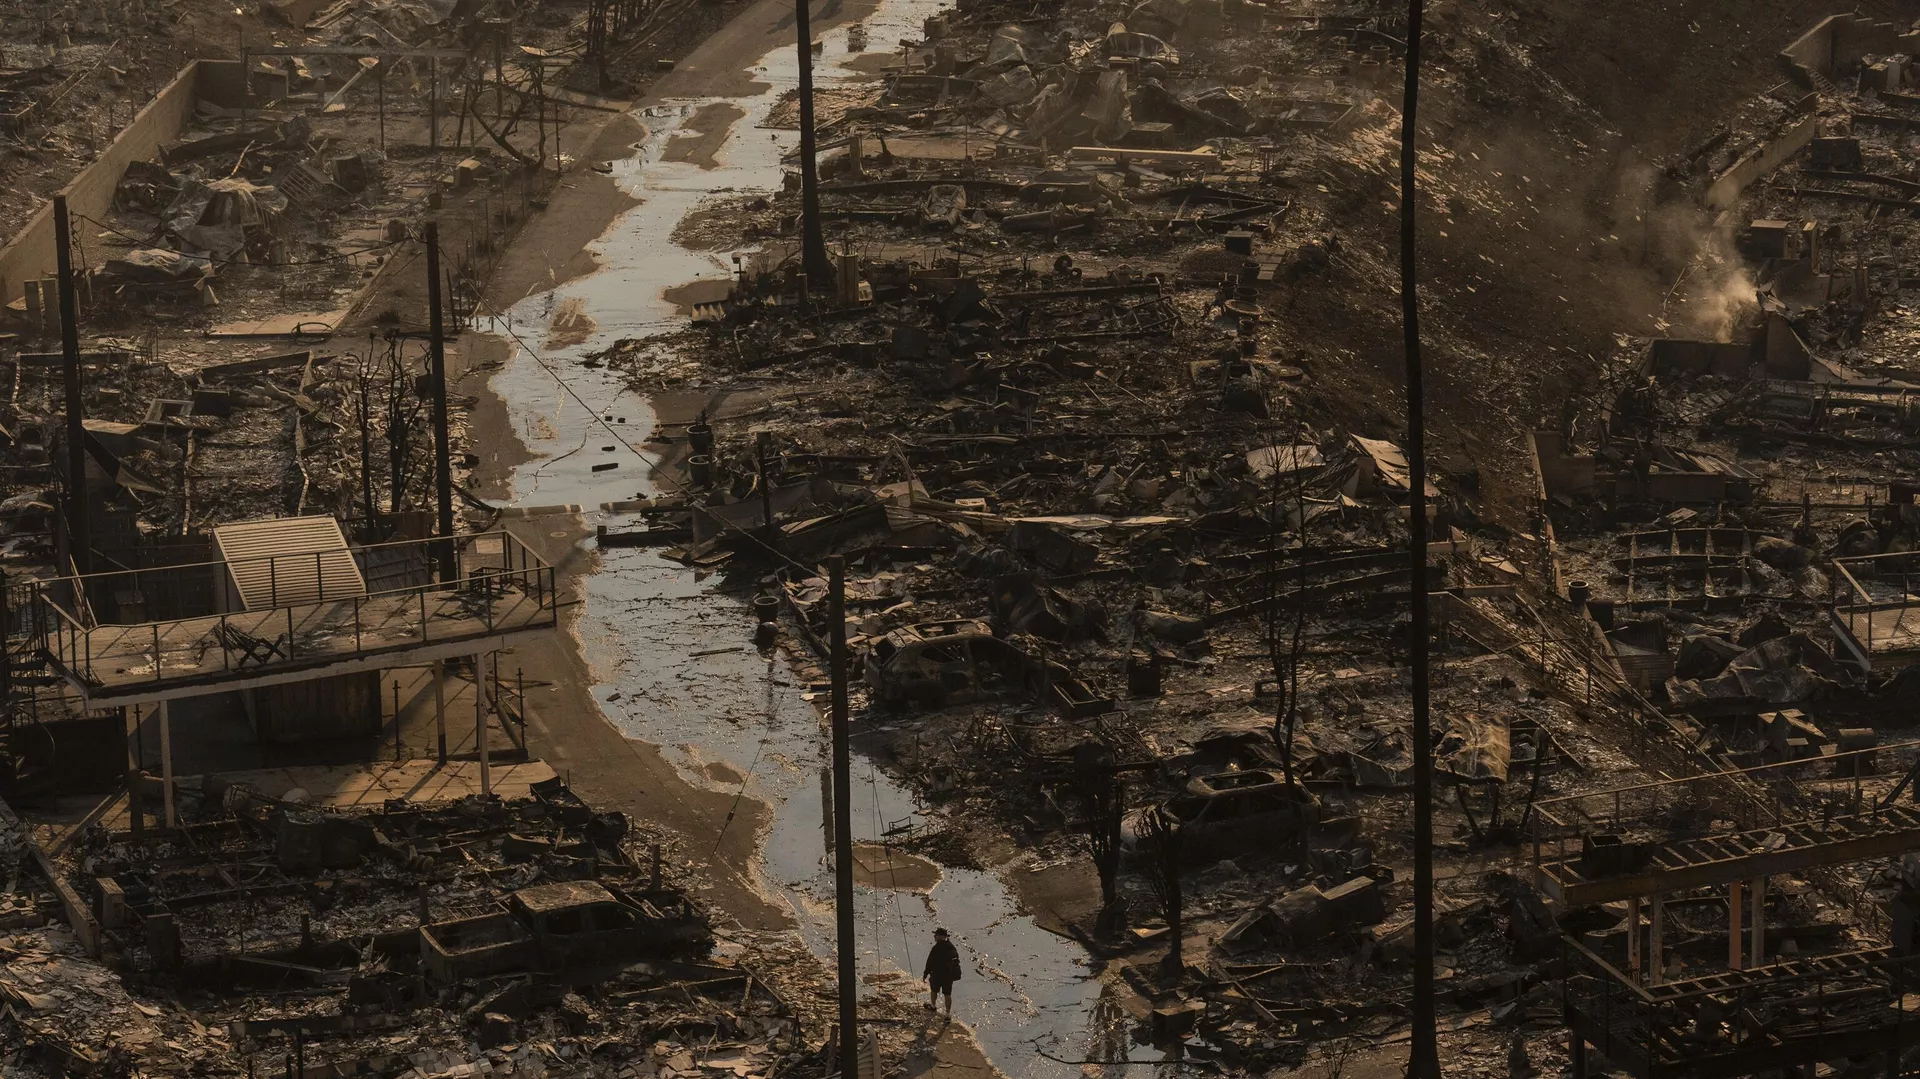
{"x": 437, "y": 379}
{"x": 813, "y": 239}
{"x": 79, "y": 544}
{"x": 1424, "y": 1063}
{"x": 842, "y": 818}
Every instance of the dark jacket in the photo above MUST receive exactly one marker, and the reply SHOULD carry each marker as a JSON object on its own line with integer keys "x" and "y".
{"x": 943, "y": 963}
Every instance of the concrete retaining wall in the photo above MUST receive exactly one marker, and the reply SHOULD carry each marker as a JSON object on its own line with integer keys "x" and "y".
{"x": 30, "y": 254}
{"x": 1559, "y": 472}
{"x": 1812, "y": 52}
{"x": 1725, "y": 190}
{"x": 1836, "y": 44}
{"x": 1675, "y": 358}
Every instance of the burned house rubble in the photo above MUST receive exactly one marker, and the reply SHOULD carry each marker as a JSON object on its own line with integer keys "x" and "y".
{"x": 414, "y": 938}
{"x": 240, "y": 520}
{"x": 1108, "y": 529}
{"x": 438, "y": 644}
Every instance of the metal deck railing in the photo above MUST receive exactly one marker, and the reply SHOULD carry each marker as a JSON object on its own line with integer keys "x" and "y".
{"x": 1769, "y": 1018}
{"x": 1722, "y": 827}
{"x": 1875, "y": 613}
{"x": 503, "y": 586}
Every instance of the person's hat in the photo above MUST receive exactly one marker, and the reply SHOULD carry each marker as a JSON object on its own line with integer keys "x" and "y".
{"x": 939, "y": 932}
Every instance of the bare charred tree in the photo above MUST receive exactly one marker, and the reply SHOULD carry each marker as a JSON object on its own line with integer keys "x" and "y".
{"x": 1284, "y": 653}
{"x": 1102, "y": 801}
{"x": 363, "y": 416}
{"x": 502, "y": 137}
{"x": 597, "y": 44}
{"x": 1541, "y": 745}
{"x": 1162, "y": 842}
{"x": 387, "y": 390}
{"x": 1498, "y": 828}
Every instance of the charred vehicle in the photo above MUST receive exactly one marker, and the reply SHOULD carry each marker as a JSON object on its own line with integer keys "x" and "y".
{"x": 1229, "y": 813}
{"x": 554, "y": 928}
{"x": 957, "y": 661}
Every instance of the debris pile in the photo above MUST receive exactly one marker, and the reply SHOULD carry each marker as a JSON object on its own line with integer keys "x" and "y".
{"x": 525, "y": 937}
{"x": 1110, "y": 530}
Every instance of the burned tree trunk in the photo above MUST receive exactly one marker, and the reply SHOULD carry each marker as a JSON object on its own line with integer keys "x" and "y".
{"x": 1102, "y": 802}
{"x": 363, "y": 414}
{"x": 1285, "y": 655}
{"x": 1163, "y": 842}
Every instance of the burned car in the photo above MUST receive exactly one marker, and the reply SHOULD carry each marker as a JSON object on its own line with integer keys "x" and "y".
{"x": 959, "y": 660}
{"x": 1228, "y": 813}
{"x": 934, "y": 664}
{"x": 554, "y": 928}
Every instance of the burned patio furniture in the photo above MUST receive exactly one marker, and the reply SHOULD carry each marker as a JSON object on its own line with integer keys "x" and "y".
{"x": 252, "y": 649}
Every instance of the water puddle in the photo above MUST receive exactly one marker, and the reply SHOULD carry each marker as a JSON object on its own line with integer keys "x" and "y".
{"x": 677, "y": 665}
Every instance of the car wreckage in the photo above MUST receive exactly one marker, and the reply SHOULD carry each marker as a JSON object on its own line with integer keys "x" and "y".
{"x": 552, "y": 928}
{"x": 1226, "y": 813}
{"x": 958, "y": 661}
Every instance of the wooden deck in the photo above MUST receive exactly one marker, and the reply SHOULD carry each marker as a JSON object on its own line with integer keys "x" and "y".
{"x": 157, "y": 660}
{"x": 1721, "y": 860}
{"x": 1817, "y": 1009}
{"x": 1893, "y": 632}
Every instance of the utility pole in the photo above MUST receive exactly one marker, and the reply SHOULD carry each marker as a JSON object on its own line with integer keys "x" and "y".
{"x": 1424, "y": 1062}
{"x": 79, "y": 542}
{"x": 433, "y": 106}
{"x": 842, "y": 818}
{"x": 437, "y": 378}
{"x": 813, "y": 239}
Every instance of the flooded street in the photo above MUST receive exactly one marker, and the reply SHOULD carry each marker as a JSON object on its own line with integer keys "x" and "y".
{"x": 673, "y": 659}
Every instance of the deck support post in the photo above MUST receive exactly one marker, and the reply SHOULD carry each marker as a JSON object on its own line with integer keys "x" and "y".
{"x": 1656, "y": 952}
{"x": 1633, "y": 938}
{"x": 480, "y": 722}
{"x": 166, "y": 761}
{"x": 440, "y": 706}
{"x": 1736, "y": 908}
{"x": 136, "y": 823}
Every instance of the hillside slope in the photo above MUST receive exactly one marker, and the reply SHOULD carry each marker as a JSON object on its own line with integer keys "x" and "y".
{"x": 1556, "y": 209}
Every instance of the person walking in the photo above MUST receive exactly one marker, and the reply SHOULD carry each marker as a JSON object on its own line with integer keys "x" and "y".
{"x": 943, "y": 969}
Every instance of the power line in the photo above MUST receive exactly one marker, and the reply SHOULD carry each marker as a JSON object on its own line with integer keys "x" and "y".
{"x": 751, "y": 768}
{"x": 651, "y": 462}
{"x": 886, "y": 849}
{"x": 1424, "y": 1060}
